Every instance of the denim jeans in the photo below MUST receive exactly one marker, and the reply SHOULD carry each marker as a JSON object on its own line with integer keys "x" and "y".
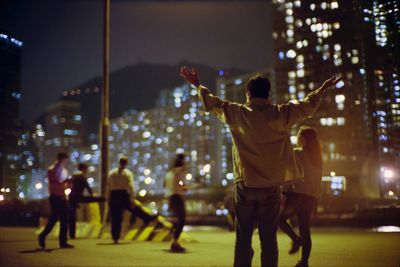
{"x": 256, "y": 206}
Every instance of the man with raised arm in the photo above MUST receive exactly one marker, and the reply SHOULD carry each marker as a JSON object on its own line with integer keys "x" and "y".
{"x": 263, "y": 157}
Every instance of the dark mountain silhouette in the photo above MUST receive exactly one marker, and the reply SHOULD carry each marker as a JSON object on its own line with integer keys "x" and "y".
{"x": 134, "y": 87}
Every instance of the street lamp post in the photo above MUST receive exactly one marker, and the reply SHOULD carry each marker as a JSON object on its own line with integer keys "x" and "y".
{"x": 105, "y": 123}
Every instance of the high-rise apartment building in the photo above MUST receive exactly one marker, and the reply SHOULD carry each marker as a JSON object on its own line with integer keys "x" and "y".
{"x": 152, "y": 138}
{"x": 10, "y": 96}
{"x": 62, "y": 129}
{"x": 358, "y": 122}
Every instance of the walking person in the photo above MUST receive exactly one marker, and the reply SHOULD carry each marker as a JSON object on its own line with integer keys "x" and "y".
{"x": 174, "y": 190}
{"x": 263, "y": 158}
{"x": 121, "y": 197}
{"x": 78, "y": 184}
{"x": 57, "y": 176}
{"x": 303, "y": 196}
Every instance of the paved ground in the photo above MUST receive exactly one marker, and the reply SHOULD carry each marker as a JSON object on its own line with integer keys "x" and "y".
{"x": 214, "y": 247}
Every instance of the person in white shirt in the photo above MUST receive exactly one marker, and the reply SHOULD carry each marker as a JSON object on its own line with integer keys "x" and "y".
{"x": 174, "y": 190}
{"x": 121, "y": 197}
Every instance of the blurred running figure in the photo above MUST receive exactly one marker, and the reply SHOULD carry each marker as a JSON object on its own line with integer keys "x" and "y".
{"x": 263, "y": 158}
{"x": 302, "y": 198}
{"x": 121, "y": 197}
{"x": 78, "y": 185}
{"x": 57, "y": 176}
{"x": 174, "y": 190}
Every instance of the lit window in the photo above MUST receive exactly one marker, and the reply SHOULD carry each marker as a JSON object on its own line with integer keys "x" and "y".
{"x": 341, "y": 121}
{"x": 291, "y": 53}
{"x": 339, "y": 98}
{"x": 70, "y": 132}
{"x": 77, "y": 117}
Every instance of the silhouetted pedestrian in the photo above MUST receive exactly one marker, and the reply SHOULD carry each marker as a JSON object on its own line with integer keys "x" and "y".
{"x": 78, "y": 185}
{"x": 57, "y": 176}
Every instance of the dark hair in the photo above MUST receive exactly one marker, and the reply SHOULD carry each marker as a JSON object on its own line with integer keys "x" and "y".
{"x": 123, "y": 161}
{"x": 179, "y": 161}
{"x": 311, "y": 146}
{"x": 61, "y": 156}
{"x": 82, "y": 166}
{"x": 258, "y": 86}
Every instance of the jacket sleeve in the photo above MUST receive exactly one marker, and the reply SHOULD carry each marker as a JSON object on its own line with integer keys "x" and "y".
{"x": 88, "y": 186}
{"x": 298, "y": 110}
{"x": 224, "y": 110}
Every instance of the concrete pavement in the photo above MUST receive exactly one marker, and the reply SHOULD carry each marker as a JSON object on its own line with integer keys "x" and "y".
{"x": 213, "y": 247}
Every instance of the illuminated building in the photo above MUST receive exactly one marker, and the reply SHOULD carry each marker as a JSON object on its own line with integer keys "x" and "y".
{"x": 152, "y": 138}
{"x": 62, "y": 130}
{"x": 10, "y": 95}
{"x": 358, "y": 122}
{"x": 232, "y": 89}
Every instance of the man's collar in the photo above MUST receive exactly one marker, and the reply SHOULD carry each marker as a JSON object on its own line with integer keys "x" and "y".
{"x": 257, "y": 101}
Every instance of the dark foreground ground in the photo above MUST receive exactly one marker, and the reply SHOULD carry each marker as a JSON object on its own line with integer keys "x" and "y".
{"x": 335, "y": 247}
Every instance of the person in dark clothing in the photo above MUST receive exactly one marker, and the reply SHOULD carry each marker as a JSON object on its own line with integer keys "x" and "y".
{"x": 121, "y": 197}
{"x": 303, "y": 196}
{"x": 57, "y": 177}
{"x": 78, "y": 185}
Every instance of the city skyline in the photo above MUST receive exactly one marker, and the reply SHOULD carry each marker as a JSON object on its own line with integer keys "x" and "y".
{"x": 62, "y": 39}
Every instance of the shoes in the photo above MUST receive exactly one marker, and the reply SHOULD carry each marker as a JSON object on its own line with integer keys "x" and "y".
{"x": 296, "y": 245}
{"x": 42, "y": 242}
{"x": 66, "y": 246}
{"x": 175, "y": 247}
{"x": 301, "y": 264}
{"x": 116, "y": 241}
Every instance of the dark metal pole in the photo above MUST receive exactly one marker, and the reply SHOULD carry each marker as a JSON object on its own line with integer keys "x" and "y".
{"x": 105, "y": 123}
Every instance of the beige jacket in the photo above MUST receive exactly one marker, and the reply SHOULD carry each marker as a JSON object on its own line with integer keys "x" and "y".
{"x": 262, "y": 152}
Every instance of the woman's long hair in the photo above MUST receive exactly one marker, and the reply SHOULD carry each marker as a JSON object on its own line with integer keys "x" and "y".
{"x": 311, "y": 144}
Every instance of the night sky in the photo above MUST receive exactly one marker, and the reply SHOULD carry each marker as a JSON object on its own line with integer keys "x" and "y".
{"x": 63, "y": 39}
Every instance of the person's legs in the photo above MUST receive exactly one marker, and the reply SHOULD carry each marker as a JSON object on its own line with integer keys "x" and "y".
{"x": 268, "y": 217}
{"x": 54, "y": 215}
{"x": 180, "y": 213}
{"x": 245, "y": 208}
{"x": 287, "y": 213}
{"x": 138, "y": 211}
{"x": 63, "y": 223}
{"x": 292, "y": 205}
{"x": 72, "y": 219}
{"x": 304, "y": 219}
{"x": 116, "y": 210}
{"x": 177, "y": 206}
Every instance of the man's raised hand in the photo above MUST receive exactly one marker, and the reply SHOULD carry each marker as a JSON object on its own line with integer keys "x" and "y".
{"x": 190, "y": 75}
{"x": 331, "y": 82}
